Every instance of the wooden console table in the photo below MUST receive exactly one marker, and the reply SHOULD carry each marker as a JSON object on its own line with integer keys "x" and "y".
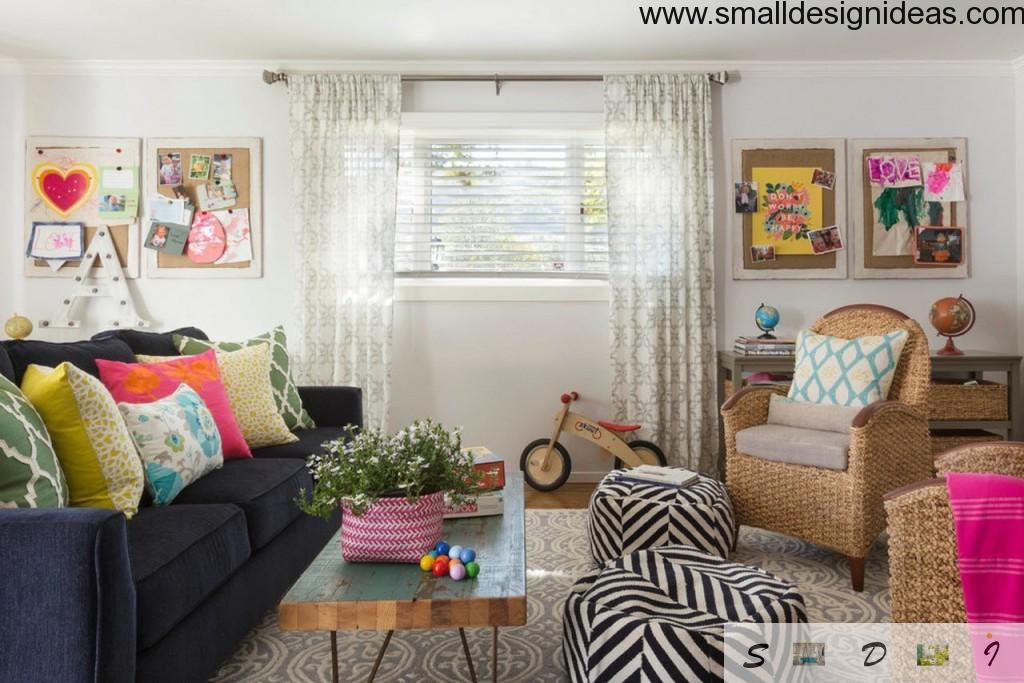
{"x": 973, "y": 364}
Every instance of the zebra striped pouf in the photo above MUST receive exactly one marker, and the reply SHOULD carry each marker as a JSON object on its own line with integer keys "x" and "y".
{"x": 626, "y": 516}
{"x": 659, "y": 615}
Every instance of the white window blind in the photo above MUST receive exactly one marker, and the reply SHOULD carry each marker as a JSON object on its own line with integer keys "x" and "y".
{"x": 529, "y": 202}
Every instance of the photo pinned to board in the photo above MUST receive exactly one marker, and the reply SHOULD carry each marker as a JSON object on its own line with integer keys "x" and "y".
{"x": 169, "y": 171}
{"x": 56, "y": 243}
{"x": 119, "y": 192}
{"x": 762, "y": 253}
{"x": 939, "y": 246}
{"x": 216, "y": 195}
{"x": 199, "y": 167}
{"x": 746, "y": 197}
{"x": 222, "y": 167}
{"x": 826, "y": 240}
{"x": 823, "y": 178}
{"x": 169, "y": 238}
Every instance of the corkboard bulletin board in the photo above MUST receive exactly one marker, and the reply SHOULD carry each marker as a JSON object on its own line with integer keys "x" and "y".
{"x": 247, "y": 178}
{"x": 867, "y": 264}
{"x": 828, "y": 154}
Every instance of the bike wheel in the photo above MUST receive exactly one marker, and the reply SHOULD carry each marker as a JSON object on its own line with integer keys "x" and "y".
{"x": 648, "y": 453}
{"x": 531, "y": 463}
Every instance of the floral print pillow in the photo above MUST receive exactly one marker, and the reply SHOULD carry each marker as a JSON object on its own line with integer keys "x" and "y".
{"x": 177, "y": 440}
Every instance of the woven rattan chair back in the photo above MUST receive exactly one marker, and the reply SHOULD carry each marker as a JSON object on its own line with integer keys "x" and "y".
{"x": 913, "y": 373}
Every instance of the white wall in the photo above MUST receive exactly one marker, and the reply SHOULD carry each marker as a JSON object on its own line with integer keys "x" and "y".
{"x": 497, "y": 367}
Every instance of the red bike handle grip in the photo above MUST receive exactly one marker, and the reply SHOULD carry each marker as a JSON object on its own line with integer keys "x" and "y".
{"x": 571, "y": 396}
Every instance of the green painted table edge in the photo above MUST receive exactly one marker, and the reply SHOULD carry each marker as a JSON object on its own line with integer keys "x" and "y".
{"x": 335, "y": 595}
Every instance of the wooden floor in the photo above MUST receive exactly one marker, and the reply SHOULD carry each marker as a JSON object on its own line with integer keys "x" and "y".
{"x": 570, "y": 496}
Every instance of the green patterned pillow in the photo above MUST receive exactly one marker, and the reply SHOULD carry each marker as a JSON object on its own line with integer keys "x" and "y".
{"x": 30, "y": 475}
{"x": 286, "y": 394}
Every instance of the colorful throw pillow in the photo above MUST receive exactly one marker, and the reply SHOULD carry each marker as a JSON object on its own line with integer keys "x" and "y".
{"x": 845, "y": 372}
{"x": 286, "y": 393}
{"x": 177, "y": 440}
{"x": 247, "y": 378}
{"x": 148, "y": 382}
{"x": 30, "y": 475}
{"x": 93, "y": 446}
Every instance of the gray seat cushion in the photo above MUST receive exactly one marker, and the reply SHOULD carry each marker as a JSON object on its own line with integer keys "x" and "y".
{"x": 796, "y": 446}
{"x": 806, "y": 415}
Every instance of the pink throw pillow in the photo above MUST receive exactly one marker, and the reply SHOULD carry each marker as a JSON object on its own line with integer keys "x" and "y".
{"x": 148, "y": 382}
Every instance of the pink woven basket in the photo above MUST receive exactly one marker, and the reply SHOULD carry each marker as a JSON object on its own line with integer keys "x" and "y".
{"x": 392, "y": 530}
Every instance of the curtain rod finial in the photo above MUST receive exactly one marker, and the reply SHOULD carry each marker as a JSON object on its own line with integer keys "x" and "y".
{"x": 271, "y": 77}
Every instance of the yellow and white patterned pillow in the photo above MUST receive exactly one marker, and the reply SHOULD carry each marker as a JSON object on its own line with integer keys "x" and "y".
{"x": 92, "y": 443}
{"x": 246, "y": 377}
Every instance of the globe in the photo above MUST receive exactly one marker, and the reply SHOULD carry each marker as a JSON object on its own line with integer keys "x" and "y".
{"x": 767, "y": 319}
{"x": 951, "y": 317}
{"x": 18, "y": 327}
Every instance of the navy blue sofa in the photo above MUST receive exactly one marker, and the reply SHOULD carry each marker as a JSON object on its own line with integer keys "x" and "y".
{"x": 86, "y": 596}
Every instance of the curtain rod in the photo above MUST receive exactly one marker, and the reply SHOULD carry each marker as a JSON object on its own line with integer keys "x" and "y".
{"x": 271, "y": 77}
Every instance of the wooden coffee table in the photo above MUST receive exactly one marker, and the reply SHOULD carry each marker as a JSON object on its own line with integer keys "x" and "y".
{"x": 334, "y": 595}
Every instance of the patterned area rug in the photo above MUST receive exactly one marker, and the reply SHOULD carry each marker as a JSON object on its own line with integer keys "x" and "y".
{"x": 556, "y": 554}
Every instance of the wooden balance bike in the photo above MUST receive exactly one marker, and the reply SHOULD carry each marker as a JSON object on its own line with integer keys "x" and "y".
{"x": 546, "y": 464}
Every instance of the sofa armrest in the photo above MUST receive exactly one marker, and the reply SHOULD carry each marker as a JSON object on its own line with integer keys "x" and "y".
{"x": 890, "y": 445}
{"x": 333, "y": 406}
{"x": 67, "y": 600}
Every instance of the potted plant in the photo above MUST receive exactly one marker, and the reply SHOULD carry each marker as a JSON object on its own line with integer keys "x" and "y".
{"x": 391, "y": 488}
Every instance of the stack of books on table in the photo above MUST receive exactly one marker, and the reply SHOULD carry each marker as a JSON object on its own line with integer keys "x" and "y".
{"x": 754, "y": 346}
{"x": 491, "y": 499}
{"x": 671, "y": 477}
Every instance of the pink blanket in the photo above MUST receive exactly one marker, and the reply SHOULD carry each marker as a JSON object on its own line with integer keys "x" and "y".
{"x": 988, "y": 514}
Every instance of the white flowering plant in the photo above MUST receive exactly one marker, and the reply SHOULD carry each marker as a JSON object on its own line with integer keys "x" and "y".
{"x": 421, "y": 459}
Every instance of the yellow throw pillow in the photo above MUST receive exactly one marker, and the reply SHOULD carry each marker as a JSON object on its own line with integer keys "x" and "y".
{"x": 93, "y": 445}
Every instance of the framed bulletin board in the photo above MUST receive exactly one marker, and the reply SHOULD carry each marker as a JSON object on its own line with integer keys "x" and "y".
{"x": 73, "y": 186}
{"x": 909, "y": 208}
{"x": 197, "y": 168}
{"x": 788, "y": 205}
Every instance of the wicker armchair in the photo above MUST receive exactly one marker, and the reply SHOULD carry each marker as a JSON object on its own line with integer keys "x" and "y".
{"x": 924, "y": 581}
{"x": 889, "y": 448}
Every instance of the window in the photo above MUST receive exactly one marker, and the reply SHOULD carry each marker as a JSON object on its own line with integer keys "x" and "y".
{"x": 502, "y": 202}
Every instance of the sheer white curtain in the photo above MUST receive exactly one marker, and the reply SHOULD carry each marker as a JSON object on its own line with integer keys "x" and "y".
{"x": 660, "y": 235}
{"x": 344, "y": 152}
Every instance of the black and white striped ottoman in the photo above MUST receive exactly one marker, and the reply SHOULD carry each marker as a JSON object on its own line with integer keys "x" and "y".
{"x": 626, "y": 516}
{"x": 660, "y": 615}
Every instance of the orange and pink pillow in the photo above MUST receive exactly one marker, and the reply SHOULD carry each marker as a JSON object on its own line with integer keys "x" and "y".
{"x": 148, "y": 382}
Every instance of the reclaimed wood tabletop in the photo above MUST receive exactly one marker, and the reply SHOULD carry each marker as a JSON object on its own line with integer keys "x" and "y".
{"x": 336, "y": 595}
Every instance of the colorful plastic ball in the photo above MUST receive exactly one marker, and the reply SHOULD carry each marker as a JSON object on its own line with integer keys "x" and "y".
{"x": 434, "y": 554}
{"x": 440, "y": 567}
{"x": 455, "y": 551}
{"x": 442, "y": 548}
{"x": 454, "y": 560}
{"x": 468, "y": 555}
{"x": 426, "y": 563}
{"x": 472, "y": 569}
{"x": 457, "y": 571}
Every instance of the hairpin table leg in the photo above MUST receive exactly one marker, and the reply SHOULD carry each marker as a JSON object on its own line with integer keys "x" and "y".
{"x": 494, "y": 656}
{"x": 469, "y": 659}
{"x": 380, "y": 656}
{"x": 334, "y": 657}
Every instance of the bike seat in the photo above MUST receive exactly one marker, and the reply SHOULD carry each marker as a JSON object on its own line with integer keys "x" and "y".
{"x": 615, "y": 427}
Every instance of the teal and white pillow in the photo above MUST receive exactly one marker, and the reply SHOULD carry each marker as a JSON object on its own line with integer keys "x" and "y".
{"x": 30, "y": 474}
{"x": 286, "y": 393}
{"x": 845, "y": 372}
{"x": 177, "y": 440}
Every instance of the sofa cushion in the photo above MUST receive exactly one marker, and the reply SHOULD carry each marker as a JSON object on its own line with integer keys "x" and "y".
{"x": 806, "y": 415}
{"x": 796, "y": 446}
{"x": 151, "y": 343}
{"x": 310, "y": 442}
{"x": 265, "y": 489}
{"x": 81, "y": 354}
{"x": 180, "y": 554}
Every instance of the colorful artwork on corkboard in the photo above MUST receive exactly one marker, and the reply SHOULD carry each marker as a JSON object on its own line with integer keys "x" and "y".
{"x": 799, "y": 191}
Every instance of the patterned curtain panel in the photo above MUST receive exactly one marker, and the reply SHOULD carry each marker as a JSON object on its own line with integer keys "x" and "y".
{"x": 660, "y": 238}
{"x": 344, "y": 151}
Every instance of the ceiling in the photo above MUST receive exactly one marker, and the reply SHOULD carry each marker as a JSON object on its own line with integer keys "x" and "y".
{"x": 464, "y": 30}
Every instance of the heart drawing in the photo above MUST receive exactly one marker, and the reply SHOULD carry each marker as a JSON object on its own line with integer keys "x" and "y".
{"x": 64, "y": 190}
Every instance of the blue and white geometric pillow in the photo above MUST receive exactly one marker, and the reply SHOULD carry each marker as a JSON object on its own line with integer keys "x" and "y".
{"x": 177, "y": 440}
{"x": 845, "y": 372}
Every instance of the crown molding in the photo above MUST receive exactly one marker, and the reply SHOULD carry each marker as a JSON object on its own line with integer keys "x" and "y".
{"x": 742, "y": 69}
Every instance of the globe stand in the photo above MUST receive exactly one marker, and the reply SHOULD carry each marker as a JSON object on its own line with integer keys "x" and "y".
{"x": 767, "y": 334}
{"x": 949, "y": 349}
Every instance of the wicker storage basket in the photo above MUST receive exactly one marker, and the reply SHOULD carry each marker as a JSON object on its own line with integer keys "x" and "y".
{"x": 951, "y": 400}
{"x": 943, "y": 441}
